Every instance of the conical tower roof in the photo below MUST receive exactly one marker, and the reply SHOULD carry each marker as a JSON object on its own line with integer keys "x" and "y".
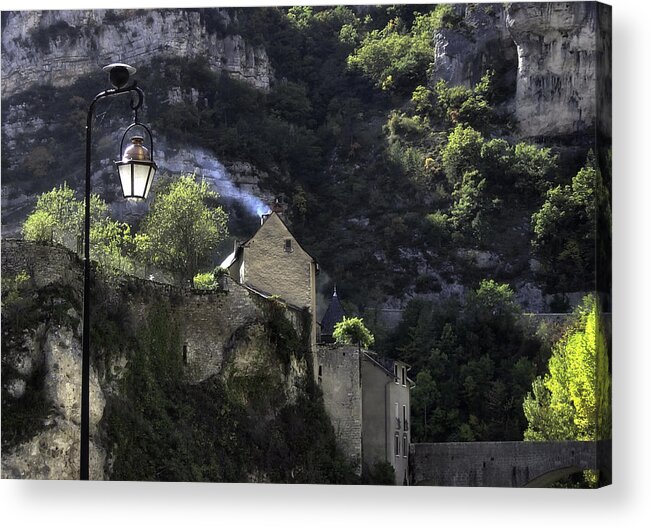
{"x": 334, "y": 314}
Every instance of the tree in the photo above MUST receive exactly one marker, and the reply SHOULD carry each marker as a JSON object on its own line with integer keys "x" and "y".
{"x": 462, "y": 152}
{"x": 39, "y": 161}
{"x": 353, "y": 331}
{"x": 470, "y": 211}
{"x": 57, "y": 213}
{"x": 181, "y": 229}
{"x": 397, "y": 57}
{"x": 564, "y": 231}
{"x": 573, "y": 400}
{"x": 460, "y": 104}
{"x": 59, "y": 217}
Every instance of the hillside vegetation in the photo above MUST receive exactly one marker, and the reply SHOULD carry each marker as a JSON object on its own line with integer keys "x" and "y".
{"x": 408, "y": 191}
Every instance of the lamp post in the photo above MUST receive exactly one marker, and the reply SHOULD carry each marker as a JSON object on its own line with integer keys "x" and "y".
{"x": 136, "y": 169}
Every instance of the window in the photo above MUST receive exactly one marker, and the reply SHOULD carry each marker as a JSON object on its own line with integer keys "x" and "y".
{"x": 320, "y": 376}
{"x": 185, "y": 354}
{"x": 405, "y": 446}
{"x": 395, "y": 372}
{"x": 404, "y": 376}
{"x": 397, "y": 416}
{"x": 288, "y": 245}
{"x": 405, "y": 422}
{"x": 396, "y": 444}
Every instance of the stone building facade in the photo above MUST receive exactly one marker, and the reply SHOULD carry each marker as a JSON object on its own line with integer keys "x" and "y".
{"x": 367, "y": 400}
{"x": 272, "y": 263}
{"x": 365, "y": 396}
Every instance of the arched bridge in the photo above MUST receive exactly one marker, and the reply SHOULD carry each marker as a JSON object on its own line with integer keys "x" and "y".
{"x": 505, "y": 464}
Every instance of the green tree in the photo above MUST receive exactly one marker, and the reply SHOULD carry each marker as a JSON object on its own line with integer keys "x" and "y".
{"x": 462, "y": 152}
{"x": 181, "y": 228}
{"x": 59, "y": 217}
{"x": 57, "y": 213}
{"x": 397, "y": 57}
{"x": 470, "y": 210}
{"x": 573, "y": 400}
{"x": 460, "y": 104}
{"x": 532, "y": 167}
{"x": 353, "y": 331}
{"x": 564, "y": 231}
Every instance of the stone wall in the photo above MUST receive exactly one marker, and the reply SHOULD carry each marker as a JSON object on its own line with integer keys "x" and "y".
{"x": 45, "y": 264}
{"x": 208, "y": 322}
{"x": 505, "y": 464}
{"x": 222, "y": 332}
{"x": 342, "y": 396}
{"x": 269, "y": 268}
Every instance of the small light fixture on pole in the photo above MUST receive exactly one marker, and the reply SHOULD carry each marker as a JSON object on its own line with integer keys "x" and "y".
{"x": 136, "y": 170}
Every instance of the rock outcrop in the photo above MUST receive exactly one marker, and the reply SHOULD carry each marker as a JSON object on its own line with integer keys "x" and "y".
{"x": 221, "y": 334}
{"x": 53, "y": 453}
{"x": 71, "y": 44}
{"x": 552, "y": 53}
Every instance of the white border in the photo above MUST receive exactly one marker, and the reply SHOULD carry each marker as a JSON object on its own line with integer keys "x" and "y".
{"x": 111, "y": 504}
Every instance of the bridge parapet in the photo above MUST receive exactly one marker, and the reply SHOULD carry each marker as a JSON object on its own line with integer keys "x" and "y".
{"x": 504, "y": 464}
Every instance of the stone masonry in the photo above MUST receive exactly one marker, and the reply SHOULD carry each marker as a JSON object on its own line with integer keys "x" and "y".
{"x": 505, "y": 464}
{"x": 208, "y": 322}
{"x": 337, "y": 371}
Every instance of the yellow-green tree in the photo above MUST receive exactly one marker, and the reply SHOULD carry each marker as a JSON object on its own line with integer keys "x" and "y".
{"x": 59, "y": 218}
{"x": 182, "y": 227}
{"x": 353, "y": 331}
{"x": 573, "y": 400}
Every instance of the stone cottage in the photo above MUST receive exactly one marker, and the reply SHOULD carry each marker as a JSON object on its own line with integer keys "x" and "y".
{"x": 273, "y": 263}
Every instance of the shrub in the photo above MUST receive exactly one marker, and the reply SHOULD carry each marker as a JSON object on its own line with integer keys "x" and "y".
{"x": 204, "y": 281}
{"x": 470, "y": 106}
{"x": 462, "y": 152}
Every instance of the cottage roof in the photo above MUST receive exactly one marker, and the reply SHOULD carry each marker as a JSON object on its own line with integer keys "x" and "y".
{"x": 230, "y": 259}
{"x": 385, "y": 364}
{"x": 334, "y": 314}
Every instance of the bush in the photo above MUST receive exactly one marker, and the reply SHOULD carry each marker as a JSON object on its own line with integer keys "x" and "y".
{"x": 469, "y": 106}
{"x": 204, "y": 281}
{"x": 462, "y": 152}
{"x": 380, "y": 474}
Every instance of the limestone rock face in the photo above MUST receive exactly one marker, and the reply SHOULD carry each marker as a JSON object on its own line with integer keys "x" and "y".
{"x": 54, "y": 452}
{"x": 552, "y": 55}
{"x": 463, "y": 56}
{"x": 71, "y": 44}
{"x": 557, "y": 73}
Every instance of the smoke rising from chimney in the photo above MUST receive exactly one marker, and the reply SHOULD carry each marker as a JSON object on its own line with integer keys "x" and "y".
{"x": 216, "y": 175}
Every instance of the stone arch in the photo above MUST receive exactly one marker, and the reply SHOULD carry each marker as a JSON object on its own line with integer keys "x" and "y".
{"x": 545, "y": 480}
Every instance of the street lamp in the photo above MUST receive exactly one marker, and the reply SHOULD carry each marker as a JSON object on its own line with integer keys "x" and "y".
{"x": 136, "y": 169}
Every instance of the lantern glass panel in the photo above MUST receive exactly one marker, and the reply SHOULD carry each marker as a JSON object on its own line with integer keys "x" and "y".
{"x": 124, "y": 170}
{"x": 136, "y": 178}
{"x": 140, "y": 176}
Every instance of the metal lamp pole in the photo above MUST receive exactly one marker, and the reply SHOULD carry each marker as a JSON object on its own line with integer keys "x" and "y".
{"x": 119, "y": 76}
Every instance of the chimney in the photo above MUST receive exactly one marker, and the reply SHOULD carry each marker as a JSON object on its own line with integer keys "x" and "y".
{"x": 277, "y": 208}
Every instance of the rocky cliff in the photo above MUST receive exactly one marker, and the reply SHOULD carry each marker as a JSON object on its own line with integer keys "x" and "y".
{"x": 164, "y": 341}
{"x": 58, "y": 47}
{"x": 549, "y": 55}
